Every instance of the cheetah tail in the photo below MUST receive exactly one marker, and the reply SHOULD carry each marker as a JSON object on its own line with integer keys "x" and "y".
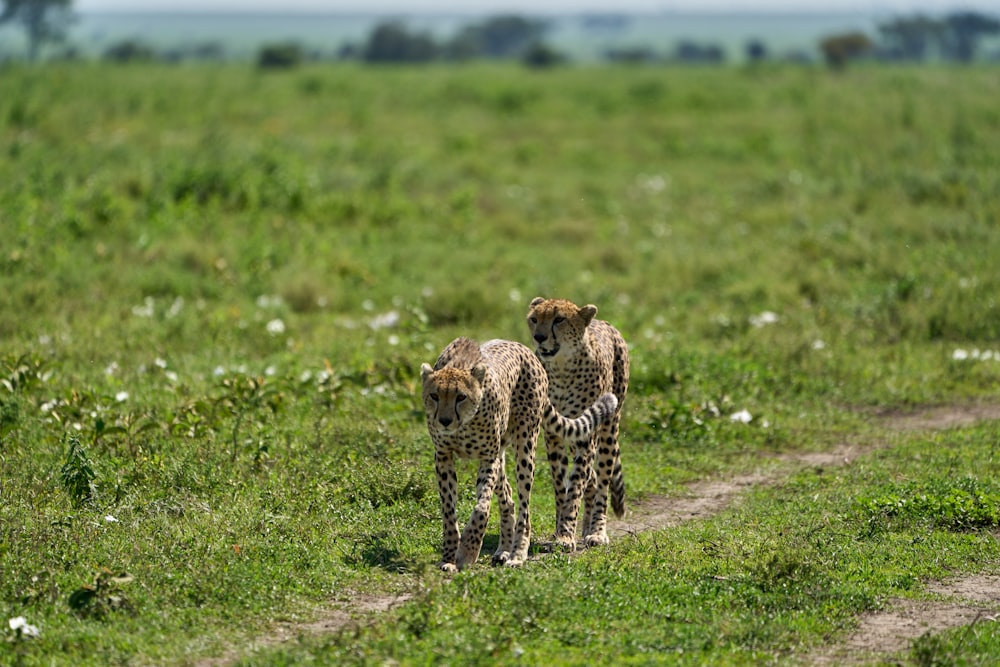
{"x": 583, "y": 426}
{"x": 618, "y": 488}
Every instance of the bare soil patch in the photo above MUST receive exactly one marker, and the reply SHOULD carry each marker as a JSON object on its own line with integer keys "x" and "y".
{"x": 881, "y": 635}
{"x": 938, "y": 417}
{"x": 353, "y": 611}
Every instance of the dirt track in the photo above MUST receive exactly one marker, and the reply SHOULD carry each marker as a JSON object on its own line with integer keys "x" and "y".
{"x": 972, "y": 599}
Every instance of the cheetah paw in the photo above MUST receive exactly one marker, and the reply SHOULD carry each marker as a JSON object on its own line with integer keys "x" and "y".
{"x": 450, "y": 568}
{"x": 597, "y": 539}
{"x": 564, "y": 543}
{"x": 501, "y": 558}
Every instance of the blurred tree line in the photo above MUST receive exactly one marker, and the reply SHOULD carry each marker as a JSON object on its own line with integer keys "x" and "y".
{"x": 918, "y": 38}
{"x": 505, "y": 36}
{"x": 954, "y": 37}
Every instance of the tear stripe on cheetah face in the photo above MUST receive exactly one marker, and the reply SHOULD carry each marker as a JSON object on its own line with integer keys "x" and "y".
{"x": 481, "y": 401}
{"x": 583, "y": 357}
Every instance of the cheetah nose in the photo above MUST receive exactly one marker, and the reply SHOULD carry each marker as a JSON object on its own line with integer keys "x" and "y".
{"x": 540, "y": 338}
{"x": 445, "y": 421}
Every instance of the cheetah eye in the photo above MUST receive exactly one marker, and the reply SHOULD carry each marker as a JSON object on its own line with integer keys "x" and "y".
{"x": 533, "y": 320}
{"x": 558, "y": 320}
{"x": 434, "y": 397}
{"x": 459, "y": 398}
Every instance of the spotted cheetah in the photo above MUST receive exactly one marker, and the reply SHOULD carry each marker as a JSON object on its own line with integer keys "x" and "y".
{"x": 583, "y": 358}
{"x": 480, "y": 400}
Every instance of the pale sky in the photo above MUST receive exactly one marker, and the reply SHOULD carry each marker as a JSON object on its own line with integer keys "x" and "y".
{"x": 535, "y": 6}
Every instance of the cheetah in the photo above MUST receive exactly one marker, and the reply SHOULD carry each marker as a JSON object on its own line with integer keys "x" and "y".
{"x": 480, "y": 400}
{"x": 583, "y": 358}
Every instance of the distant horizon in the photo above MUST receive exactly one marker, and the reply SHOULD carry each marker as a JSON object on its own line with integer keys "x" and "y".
{"x": 370, "y": 7}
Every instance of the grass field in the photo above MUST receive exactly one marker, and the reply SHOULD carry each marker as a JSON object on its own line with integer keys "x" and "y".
{"x": 217, "y": 287}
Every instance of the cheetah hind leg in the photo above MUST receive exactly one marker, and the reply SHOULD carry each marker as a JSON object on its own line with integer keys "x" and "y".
{"x": 505, "y": 498}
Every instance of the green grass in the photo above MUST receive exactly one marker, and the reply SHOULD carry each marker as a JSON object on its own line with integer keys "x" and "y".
{"x": 218, "y": 285}
{"x": 758, "y": 584}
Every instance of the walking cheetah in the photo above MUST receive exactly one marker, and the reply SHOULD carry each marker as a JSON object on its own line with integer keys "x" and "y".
{"x": 480, "y": 400}
{"x": 583, "y": 358}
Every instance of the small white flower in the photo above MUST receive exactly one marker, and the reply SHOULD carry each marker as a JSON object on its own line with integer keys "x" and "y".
{"x": 219, "y": 370}
{"x": 818, "y": 344}
{"x": 20, "y": 625}
{"x": 146, "y": 309}
{"x": 269, "y": 301}
{"x": 763, "y": 319}
{"x": 514, "y": 295}
{"x": 393, "y": 340}
{"x": 160, "y": 363}
{"x": 960, "y": 355}
{"x": 47, "y": 406}
{"x": 121, "y": 396}
{"x": 110, "y": 519}
{"x": 655, "y": 183}
{"x": 305, "y": 376}
{"x": 743, "y": 416}
{"x": 270, "y": 371}
{"x": 276, "y": 327}
{"x": 170, "y": 375}
{"x": 111, "y": 368}
{"x": 385, "y": 320}
{"x": 176, "y": 307}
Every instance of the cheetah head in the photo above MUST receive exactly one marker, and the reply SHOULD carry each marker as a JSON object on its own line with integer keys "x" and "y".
{"x": 558, "y": 325}
{"x": 451, "y": 396}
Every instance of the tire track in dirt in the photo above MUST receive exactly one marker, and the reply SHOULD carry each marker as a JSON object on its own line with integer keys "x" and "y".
{"x": 974, "y": 599}
{"x": 971, "y": 599}
{"x": 887, "y": 633}
{"x": 357, "y": 610}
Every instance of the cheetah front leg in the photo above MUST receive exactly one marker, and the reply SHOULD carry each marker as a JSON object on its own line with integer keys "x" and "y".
{"x": 555, "y": 447}
{"x": 596, "y": 532}
{"x": 444, "y": 467}
{"x": 505, "y": 498}
{"x": 472, "y": 537}
{"x": 574, "y": 489}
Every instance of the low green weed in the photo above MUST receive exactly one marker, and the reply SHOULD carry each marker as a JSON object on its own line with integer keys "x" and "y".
{"x": 964, "y": 504}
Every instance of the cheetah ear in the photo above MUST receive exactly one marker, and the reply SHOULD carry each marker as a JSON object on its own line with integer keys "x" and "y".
{"x": 425, "y": 371}
{"x": 587, "y": 313}
{"x": 479, "y": 372}
{"x": 537, "y": 300}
